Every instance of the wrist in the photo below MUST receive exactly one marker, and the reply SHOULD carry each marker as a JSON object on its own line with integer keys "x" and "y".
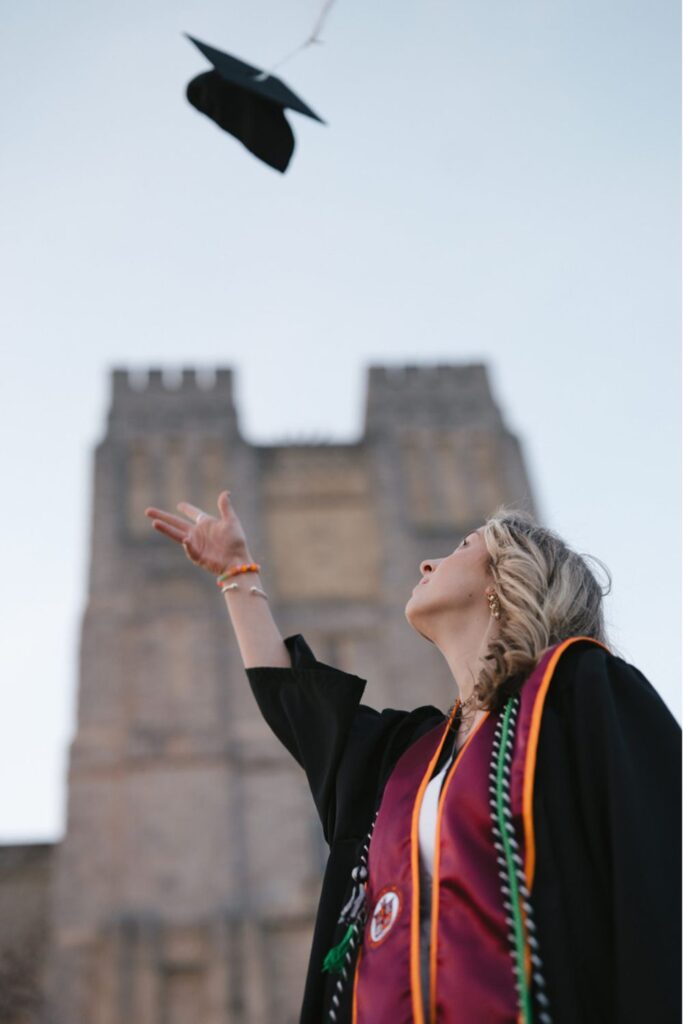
{"x": 241, "y": 558}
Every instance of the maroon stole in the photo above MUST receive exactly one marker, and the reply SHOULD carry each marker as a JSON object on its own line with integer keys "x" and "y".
{"x": 471, "y": 972}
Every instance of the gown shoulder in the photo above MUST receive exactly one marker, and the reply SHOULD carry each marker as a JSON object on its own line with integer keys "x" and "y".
{"x": 607, "y": 812}
{"x": 347, "y": 749}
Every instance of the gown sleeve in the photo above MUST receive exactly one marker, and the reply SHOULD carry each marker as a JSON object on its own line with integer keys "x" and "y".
{"x": 346, "y": 748}
{"x": 610, "y": 790}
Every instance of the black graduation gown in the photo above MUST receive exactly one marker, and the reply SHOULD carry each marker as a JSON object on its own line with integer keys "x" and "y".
{"x": 607, "y": 818}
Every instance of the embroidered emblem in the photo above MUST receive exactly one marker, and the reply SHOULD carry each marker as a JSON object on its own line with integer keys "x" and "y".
{"x": 384, "y": 915}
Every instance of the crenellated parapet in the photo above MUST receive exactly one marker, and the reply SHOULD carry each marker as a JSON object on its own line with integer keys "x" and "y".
{"x": 430, "y": 396}
{"x": 448, "y": 453}
{"x": 155, "y": 399}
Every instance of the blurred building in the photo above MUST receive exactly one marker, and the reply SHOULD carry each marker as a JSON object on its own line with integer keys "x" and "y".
{"x": 185, "y": 887}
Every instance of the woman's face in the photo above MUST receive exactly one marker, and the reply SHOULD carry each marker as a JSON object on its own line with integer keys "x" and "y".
{"x": 452, "y": 585}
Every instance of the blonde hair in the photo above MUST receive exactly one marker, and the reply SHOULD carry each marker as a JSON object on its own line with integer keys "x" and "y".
{"x": 546, "y": 593}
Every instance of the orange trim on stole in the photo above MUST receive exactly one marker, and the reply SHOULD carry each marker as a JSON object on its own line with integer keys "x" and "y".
{"x": 415, "y": 972}
{"x": 530, "y": 763}
{"x": 415, "y": 905}
{"x": 354, "y": 1004}
{"x": 528, "y": 789}
{"x": 435, "y": 872}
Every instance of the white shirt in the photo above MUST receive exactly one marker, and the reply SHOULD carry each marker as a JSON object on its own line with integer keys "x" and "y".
{"x": 427, "y": 821}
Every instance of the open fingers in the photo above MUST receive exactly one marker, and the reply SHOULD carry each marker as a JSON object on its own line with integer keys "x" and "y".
{"x": 167, "y": 517}
{"x": 191, "y": 511}
{"x": 171, "y": 531}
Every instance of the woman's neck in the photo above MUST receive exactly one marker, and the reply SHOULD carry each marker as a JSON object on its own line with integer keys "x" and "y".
{"x": 466, "y": 727}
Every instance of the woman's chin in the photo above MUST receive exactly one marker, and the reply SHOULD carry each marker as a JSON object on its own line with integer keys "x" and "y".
{"x": 410, "y": 609}
{"x": 414, "y": 594}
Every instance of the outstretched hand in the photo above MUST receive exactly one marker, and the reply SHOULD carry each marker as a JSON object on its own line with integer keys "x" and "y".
{"x": 213, "y": 543}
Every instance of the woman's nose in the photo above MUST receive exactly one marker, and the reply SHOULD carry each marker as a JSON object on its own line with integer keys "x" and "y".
{"x": 427, "y": 566}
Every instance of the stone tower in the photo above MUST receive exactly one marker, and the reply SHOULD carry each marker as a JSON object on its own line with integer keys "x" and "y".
{"x": 185, "y": 887}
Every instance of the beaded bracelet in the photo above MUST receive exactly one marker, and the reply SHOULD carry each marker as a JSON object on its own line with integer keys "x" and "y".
{"x": 246, "y": 567}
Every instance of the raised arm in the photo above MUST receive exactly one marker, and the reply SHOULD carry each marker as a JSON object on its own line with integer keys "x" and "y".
{"x": 217, "y": 544}
{"x": 345, "y": 748}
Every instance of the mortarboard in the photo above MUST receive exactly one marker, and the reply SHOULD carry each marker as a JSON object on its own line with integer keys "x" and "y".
{"x": 247, "y": 104}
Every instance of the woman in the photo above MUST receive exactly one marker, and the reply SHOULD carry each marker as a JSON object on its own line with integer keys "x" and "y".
{"x": 545, "y": 805}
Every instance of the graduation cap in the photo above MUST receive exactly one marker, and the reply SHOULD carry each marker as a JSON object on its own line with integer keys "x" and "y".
{"x": 248, "y": 104}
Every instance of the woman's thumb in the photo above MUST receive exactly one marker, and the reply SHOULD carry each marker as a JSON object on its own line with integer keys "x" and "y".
{"x": 224, "y": 503}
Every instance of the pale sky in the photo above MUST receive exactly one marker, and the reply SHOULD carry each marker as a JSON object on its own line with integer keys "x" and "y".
{"x": 496, "y": 181}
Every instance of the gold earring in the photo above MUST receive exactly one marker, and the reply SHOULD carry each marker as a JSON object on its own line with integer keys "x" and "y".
{"x": 494, "y": 604}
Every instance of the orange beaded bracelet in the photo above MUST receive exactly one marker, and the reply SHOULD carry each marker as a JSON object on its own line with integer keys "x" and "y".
{"x": 246, "y": 567}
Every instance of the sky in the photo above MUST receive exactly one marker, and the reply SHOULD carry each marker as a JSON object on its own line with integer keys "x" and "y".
{"x": 496, "y": 182}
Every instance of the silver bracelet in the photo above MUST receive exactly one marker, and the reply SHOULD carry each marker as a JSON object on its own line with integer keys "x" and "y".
{"x": 236, "y": 586}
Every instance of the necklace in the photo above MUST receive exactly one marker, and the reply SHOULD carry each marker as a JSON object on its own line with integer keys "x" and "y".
{"x": 468, "y": 701}
{"x": 464, "y": 734}
{"x": 462, "y": 706}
